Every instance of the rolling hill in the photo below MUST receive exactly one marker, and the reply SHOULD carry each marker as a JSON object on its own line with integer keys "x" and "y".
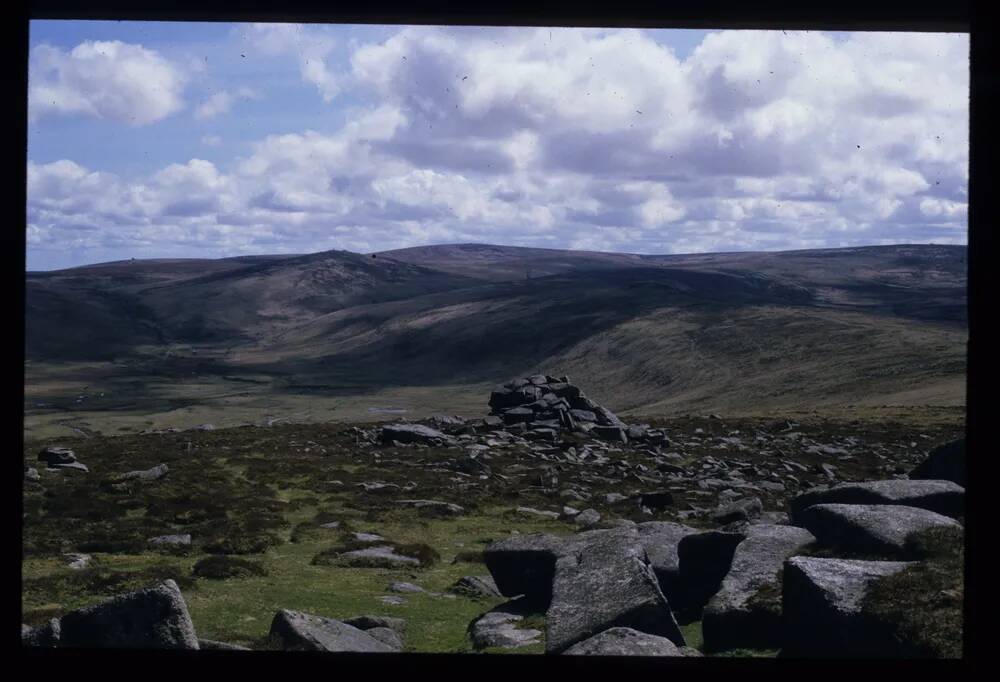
{"x": 645, "y": 334}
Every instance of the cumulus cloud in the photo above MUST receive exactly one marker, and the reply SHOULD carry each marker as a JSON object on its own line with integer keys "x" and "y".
{"x": 596, "y": 139}
{"x": 310, "y": 45}
{"x": 221, "y": 102}
{"x": 104, "y": 79}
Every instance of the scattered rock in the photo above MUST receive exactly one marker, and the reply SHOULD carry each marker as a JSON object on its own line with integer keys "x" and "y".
{"x": 537, "y": 512}
{"x": 56, "y": 456}
{"x": 433, "y": 506}
{"x": 871, "y": 529}
{"x": 78, "y": 561}
{"x": 405, "y": 588}
{"x": 153, "y": 474}
{"x": 366, "y": 623}
{"x": 31, "y": 475}
{"x": 367, "y": 537}
{"x": 624, "y": 642}
{"x": 733, "y": 618}
{"x": 178, "y": 540}
{"x": 943, "y": 497}
{"x": 744, "y": 510}
{"x": 605, "y": 580}
{"x": 657, "y": 500}
{"x": 382, "y": 556}
{"x": 413, "y": 433}
{"x": 588, "y": 518}
{"x": 152, "y": 618}
{"x": 392, "y": 601}
{"x": 298, "y": 631}
{"x": 822, "y": 605}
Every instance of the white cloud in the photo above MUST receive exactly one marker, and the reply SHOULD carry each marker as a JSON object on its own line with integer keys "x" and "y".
{"x": 222, "y": 101}
{"x": 309, "y": 44}
{"x": 211, "y": 140}
{"x": 104, "y": 79}
{"x": 598, "y": 139}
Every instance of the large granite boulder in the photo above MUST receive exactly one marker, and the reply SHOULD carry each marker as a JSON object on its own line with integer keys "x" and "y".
{"x": 524, "y": 564}
{"x": 604, "y": 580}
{"x": 943, "y": 497}
{"x": 625, "y": 642}
{"x": 660, "y": 540}
{"x": 296, "y": 631}
{"x": 823, "y": 609}
{"x": 152, "y": 618}
{"x": 871, "y": 529}
{"x": 704, "y": 560}
{"x": 945, "y": 463}
{"x": 745, "y": 612}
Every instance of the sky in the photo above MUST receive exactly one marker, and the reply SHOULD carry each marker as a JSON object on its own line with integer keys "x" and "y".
{"x": 195, "y": 140}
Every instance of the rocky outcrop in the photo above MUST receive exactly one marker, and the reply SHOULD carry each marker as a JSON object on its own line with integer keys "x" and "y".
{"x": 943, "y": 497}
{"x": 871, "y": 529}
{"x": 151, "y": 618}
{"x": 296, "y": 631}
{"x": 745, "y": 612}
{"x": 823, "y": 608}
{"x": 604, "y": 580}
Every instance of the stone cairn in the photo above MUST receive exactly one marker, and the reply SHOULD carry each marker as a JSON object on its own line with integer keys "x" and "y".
{"x": 540, "y": 405}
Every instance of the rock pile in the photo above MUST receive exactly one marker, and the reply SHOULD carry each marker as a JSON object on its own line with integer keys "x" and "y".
{"x": 540, "y": 405}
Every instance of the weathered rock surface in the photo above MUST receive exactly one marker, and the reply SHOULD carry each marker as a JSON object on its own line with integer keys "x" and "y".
{"x": 498, "y": 628}
{"x": 382, "y": 556}
{"x": 387, "y": 636}
{"x": 943, "y": 497}
{"x": 476, "y": 587}
{"x": 945, "y": 463}
{"x": 152, "y": 618}
{"x": 705, "y": 559}
{"x": 604, "y": 580}
{"x": 297, "y": 631}
{"x": 588, "y": 518}
{"x": 367, "y": 622}
{"x": 524, "y": 564}
{"x": 871, "y": 529}
{"x": 822, "y": 604}
{"x": 624, "y": 642}
{"x": 736, "y": 617}
{"x": 660, "y": 540}
{"x": 153, "y": 474}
